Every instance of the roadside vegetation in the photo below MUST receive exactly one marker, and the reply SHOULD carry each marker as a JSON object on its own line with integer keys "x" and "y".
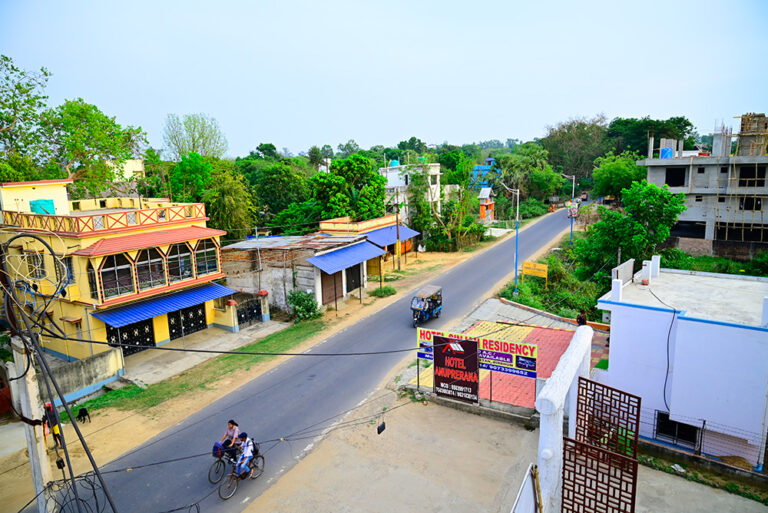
{"x": 385, "y": 291}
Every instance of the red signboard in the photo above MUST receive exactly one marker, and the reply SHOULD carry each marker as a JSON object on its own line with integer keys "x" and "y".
{"x": 456, "y": 374}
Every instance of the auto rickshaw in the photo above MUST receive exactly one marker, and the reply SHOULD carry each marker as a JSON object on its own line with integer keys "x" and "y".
{"x": 427, "y": 303}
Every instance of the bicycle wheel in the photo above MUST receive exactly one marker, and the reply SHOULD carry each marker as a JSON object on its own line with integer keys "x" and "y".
{"x": 257, "y": 466}
{"x": 228, "y": 487}
{"x": 216, "y": 472}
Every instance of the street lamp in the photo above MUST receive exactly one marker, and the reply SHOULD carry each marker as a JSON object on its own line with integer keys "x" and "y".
{"x": 573, "y": 199}
{"x": 517, "y": 230}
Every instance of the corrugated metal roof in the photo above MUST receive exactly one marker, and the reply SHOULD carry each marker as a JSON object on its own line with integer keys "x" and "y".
{"x": 485, "y": 193}
{"x": 388, "y": 235}
{"x": 339, "y": 259}
{"x": 314, "y": 241}
{"x": 147, "y": 240}
{"x": 141, "y": 311}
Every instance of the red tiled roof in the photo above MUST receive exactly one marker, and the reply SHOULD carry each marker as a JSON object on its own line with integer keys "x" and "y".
{"x": 147, "y": 240}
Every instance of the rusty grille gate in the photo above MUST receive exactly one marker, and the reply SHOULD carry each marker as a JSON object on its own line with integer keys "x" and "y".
{"x": 607, "y": 417}
{"x": 600, "y": 466}
{"x": 596, "y": 480}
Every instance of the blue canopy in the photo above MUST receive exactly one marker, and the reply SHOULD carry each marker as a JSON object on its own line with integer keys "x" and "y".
{"x": 143, "y": 310}
{"x": 388, "y": 235}
{"x": 348, "y": 256}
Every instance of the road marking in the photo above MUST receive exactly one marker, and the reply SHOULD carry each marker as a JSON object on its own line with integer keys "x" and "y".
{"x": 309, "y": 447}
{"x": 245, "y": 500}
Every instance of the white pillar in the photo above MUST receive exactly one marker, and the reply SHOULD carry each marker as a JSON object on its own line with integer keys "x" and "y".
{"x": 616, "y": 290}
{"x": 646, "y": 273}
{"x": 655, "y": 265}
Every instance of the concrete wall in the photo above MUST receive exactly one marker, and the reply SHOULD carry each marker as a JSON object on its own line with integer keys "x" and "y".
{"x": 17, "y": 198}
{"x": 80, "y": 378}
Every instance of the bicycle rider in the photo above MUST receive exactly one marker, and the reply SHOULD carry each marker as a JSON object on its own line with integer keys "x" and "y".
{"x": 230, "y": 440}
{"x": 247, "y": 447}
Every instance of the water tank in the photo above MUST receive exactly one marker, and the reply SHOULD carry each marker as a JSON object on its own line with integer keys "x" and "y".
{"x": 666, "y": 153}
{"x": 394, "y": 163}
{"x": 42, "y": 206}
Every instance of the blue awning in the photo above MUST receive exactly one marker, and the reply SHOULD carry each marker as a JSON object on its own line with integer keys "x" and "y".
{"x": 348, "y": 256}
{"x": 388, "y": 235}
{"x": 143, "y": 310}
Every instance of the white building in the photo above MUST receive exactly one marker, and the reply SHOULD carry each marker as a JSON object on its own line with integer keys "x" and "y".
{"x": 694, "y": 346}
{"x": 399, "y": 180}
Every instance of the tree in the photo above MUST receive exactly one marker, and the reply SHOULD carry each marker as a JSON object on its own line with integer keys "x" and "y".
{"x": 196, "y": 133}
{"x": 413, "y": 144}
{"x": 155, "y": 182}
{"x": 229, "y": 204}
{"x": 190, "y": 178}
{"x": 22, "y": 100}
{"x": 298, "y": 218}
{"x": 543, "y": 183}
{"x": 576, "y": 143}
{"x": 616, "y": 172}
{"x": 327, "y": 151}
{"x": 315, "y": 156}
{"x": 280, "y": 185}
{"x": 649, "y": 214}
{"x": 348, "y": 148}
{"x": 267, "y": 151}
{"x": 513, "y": 170}
{"x": 450, "y": 159}
{"x": 632, "y": 133}
{"x": 82, "y": 140}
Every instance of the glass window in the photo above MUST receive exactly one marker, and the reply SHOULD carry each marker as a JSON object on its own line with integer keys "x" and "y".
{"x": 179, "y": 263}
{"x": 116, "y": 276}
{"x": 36, "y": 265}
{"x": 69, "y": 273}
{"x": 206, "y": 257}
{"x": 93, "y": 284}
{"x": 150, "y": 269}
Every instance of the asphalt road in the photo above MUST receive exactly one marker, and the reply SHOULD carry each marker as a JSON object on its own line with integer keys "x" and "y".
{"x": 304, "y": 391}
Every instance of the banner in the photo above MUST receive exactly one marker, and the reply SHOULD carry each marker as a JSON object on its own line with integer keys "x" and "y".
{"x": 517, "y": 358}
{"x": 456, "y": 373}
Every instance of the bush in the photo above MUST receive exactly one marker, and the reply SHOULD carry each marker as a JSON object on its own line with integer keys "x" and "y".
{"x": 383, "y": 291}
{"x": 532, "y": 207}
{"x": 304, "y": 305}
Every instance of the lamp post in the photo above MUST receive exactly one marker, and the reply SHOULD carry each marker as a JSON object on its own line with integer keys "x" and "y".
{"x": 516, "y": 192}
{"x": 573, "y": 199}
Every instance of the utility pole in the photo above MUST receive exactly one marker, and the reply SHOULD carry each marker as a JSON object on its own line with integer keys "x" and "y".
{"x": 397, "y": 226}
{"x": 517, "y": 238}
{"x": 573, "y": 200}
{"x": 27, "y": 391}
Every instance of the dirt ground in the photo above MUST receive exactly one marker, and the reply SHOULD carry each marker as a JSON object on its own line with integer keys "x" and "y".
{"x": 113, "y": 432}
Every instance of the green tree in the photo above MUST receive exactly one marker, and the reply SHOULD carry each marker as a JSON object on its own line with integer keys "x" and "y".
{"x": 298, "y": 218}
{"x": 190, "y": 178}
{"x": 347, "y": 149}
{"x": 267, "y": 151}
{"x": 193, "y": 133}
{"x": 229, "y": 204}
{"x": 22, "y": 100}
{"x": 543, "y": 183}
{"x": 616, "y": 172}
{"x": 449, "y": 160}
{"x": 315, "y": 156}
{"x": 632, "y": 133}
{"x": 82, "y": 140}
{"x": 649, "y": 214}
{"x": 414, "y": 144}
{"x": 280, "y": 185}
{"x": 575, "y": 144}
{"x": 155, "y": 182}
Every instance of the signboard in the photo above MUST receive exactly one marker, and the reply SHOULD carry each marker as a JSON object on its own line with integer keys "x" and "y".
{"x": 517, "y": 358}
{"x": 536, "y": 269}
{"x": 456, "y": 372}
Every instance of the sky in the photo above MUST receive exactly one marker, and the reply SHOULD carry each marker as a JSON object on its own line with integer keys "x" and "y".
{"x": 303, "y": 73}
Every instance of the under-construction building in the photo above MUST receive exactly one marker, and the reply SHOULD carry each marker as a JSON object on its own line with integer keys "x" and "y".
{"x": 725, "y": 190}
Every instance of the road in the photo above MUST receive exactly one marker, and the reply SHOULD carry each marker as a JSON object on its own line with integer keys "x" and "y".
{"x": 304, "y": 391}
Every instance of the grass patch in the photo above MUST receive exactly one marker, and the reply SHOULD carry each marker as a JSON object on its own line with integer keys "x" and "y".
{"x": 383, "y": 291}
{"x": 392, "y": 277}
{"x": 205, "y": 374}
{"x": 677, "y": 259}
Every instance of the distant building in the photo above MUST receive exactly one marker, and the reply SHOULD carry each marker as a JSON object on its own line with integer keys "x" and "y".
{"x": 399, "y": 179}
{"x": 726, "y": 195}
{"x": 480, "y": 173}
{"x": 139, "y": 271}
{"x": 328, "y": 267}
{"x": 486, "y": 205}
{"x": 694, "y": 347}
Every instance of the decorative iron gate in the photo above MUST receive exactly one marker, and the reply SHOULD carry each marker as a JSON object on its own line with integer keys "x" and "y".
{"x": 248, "y": 312}
{"x": 138, "y": 336}
{"x": 600, "y": 466}
{"x": 187, "y": 320}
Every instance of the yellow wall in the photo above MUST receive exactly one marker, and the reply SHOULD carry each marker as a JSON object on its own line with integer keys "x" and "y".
{"x": 17, "y": 198}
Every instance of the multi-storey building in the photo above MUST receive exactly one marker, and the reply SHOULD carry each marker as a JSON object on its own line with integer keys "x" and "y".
{"x": 138, "y": 271}
{"x": 725, "y": 194}
{"x": 399, "y": 180}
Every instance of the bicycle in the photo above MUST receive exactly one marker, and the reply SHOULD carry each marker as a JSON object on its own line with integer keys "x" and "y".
{"x": 229, "y": 486}
{"x": 219, "y": 465}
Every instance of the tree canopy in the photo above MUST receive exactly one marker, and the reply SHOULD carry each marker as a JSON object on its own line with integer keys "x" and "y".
{"x": 632, "y": 133}
{"x": 574, "y": 145}
{"x": 616, "y": 172}
{"x": 22, "y": 99}
{"x": 198, "y": 133}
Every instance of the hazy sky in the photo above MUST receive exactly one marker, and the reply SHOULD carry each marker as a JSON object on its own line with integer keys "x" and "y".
{"x": 321, "y": 72}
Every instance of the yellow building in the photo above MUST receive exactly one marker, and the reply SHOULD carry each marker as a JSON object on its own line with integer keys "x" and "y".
{"x": 139, "y": 271}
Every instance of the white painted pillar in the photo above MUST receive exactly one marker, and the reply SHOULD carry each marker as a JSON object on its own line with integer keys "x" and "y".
{"x": 616, "y": 290}
{"x": 551, "y": 404}
{"x": 646, "y": 272}
{"x": 655, "y": 265}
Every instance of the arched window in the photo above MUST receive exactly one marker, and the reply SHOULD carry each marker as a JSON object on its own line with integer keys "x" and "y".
{"x": 179, "y": 263}
{"x": 206, "y": 257}
{"x": 117, "y": 276}
{"x": 150, "y": 269}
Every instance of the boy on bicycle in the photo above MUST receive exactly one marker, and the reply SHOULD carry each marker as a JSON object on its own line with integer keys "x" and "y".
{"x": 247, "y": 447}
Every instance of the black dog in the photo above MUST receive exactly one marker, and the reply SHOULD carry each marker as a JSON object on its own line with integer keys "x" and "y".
{"x": 83, "y": 414}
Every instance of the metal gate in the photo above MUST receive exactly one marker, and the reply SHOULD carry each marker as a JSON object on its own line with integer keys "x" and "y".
{"x": 138, "y": 336}
{"x": 248, "y": 312}
{"x": 187, "y": 320}
{"x": 354, "y": 277}
{"x": 600, "y": 466}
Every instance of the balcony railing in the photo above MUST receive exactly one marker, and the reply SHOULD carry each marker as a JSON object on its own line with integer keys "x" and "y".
{"x": 108, "y": 221}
